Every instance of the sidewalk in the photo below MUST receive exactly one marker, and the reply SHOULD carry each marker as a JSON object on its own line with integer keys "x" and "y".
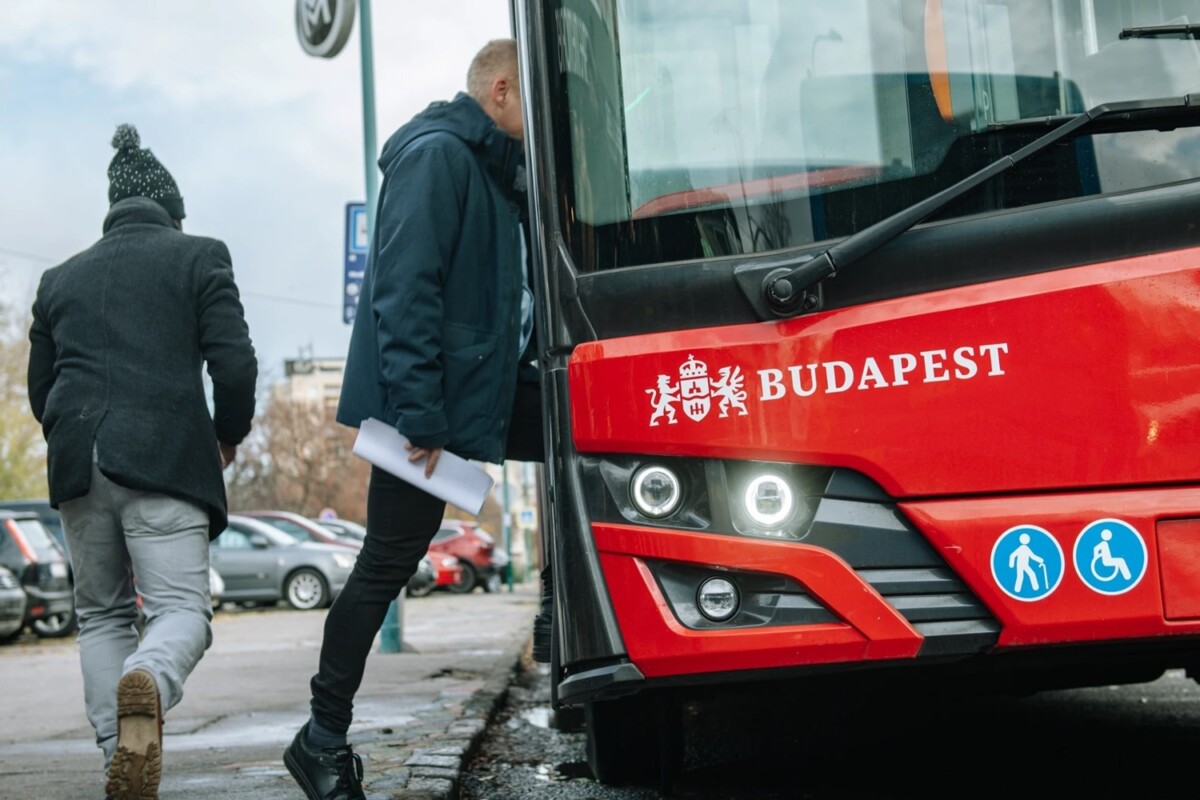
{"x": 418, "y": 716}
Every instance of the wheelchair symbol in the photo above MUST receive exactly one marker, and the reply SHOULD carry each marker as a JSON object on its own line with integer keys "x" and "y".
{"x": 1110, "y": 556}
{"x": 1102, "y": 555}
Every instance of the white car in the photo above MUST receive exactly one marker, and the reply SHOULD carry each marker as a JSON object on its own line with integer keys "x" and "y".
{"x": 216, "y": 587}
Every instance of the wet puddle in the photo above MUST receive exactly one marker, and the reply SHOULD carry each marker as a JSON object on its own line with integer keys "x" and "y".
{"x": 538, "y": 716}
{"x": 573, "y": 770}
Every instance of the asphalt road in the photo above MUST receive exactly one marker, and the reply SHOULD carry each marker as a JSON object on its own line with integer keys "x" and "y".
{"x": 1136, "y": 740}
{"x": 249, "y": 694}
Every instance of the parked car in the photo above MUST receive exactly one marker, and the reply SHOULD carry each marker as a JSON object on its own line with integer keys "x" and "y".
{"x": 12, "y": 605}
{"x": 302, "y": 528}
{"x": 259, "y": 563}
{"x": 423, "y": 581}
{"x": 30, "y": 552}
{"x": 49, "y": 517}
{"x": 216, "y": 587}
{"x": 55, "y": 625}
{"x": 344, "y": 528}
{"x": 482, "y": 564}
{"x": 447, "y": 572}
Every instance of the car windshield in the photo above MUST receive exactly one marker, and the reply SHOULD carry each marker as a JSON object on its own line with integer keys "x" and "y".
{"x": 237, "y": 535}
{"x": 349, "y": 530}
{"x": 293, "y": 529}
{"x": 703, "y": 128}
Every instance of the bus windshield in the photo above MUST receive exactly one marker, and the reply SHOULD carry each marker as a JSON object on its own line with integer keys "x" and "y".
{"x": 707, "y": 128}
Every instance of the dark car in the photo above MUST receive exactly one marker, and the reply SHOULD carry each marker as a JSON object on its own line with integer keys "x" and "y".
{"x": 482, "y": 564}
{"x": 302, "y": 528}
{"x": 56, "y": 624}
{"x": 261, "y": 564}
{"x": 30, "y": 552}
{"x": 435, "y": 571}
{"x": 12, "y": 605}
{"x": 49, "y": 517}
{"x": 423, "y": 581}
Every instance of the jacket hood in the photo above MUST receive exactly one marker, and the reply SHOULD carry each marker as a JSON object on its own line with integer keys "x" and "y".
{"x": 463, "y": 117}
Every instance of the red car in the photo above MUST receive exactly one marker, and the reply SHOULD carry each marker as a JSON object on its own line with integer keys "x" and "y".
{"x": 446, "y": 572}
{"x": 301, "y": 528}
{"x": 482, "y": 563}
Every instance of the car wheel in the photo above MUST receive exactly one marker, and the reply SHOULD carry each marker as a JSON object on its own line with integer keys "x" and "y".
{"x": 305, "y": 589}
{"x": 493, "y": 583}
{"x": 9, "y": 638}
{"x": 419, "y": 589}
{"x": 467, "y": 582}
{"x": 55, "y": 626}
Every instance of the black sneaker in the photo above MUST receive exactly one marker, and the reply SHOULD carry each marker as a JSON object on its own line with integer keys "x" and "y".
{"x": 328, "y": 773}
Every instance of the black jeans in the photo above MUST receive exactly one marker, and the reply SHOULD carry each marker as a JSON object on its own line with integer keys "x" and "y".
{"x": 401, "y": 522}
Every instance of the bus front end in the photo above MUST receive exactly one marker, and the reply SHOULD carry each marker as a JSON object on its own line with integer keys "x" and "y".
{"x": 805, "y": 419}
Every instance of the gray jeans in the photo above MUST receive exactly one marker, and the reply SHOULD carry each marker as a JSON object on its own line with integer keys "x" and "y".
{"x": 116, "y": 535}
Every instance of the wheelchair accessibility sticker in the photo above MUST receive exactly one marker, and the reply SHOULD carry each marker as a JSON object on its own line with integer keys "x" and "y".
{"x": 1110, "y": 556}
{"x": 1027, "y": 563}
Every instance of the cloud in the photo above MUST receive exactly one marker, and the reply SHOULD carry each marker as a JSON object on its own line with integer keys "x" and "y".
{"x": 264, "y": 140}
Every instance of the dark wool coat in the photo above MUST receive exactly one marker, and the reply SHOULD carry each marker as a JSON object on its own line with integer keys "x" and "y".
{"x": 434, "y": 347}
{"x": 120, "y": 334}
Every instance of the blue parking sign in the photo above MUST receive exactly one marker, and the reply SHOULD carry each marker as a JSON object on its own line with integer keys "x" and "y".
{"x": 356, "y": 258}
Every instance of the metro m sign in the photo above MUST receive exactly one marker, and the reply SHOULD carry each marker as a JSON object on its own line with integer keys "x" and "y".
{"x": 324, "y": 26}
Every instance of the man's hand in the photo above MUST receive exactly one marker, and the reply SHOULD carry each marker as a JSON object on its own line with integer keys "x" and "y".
{"x": 228, "y": 453}
{"x": 432, "y": 455}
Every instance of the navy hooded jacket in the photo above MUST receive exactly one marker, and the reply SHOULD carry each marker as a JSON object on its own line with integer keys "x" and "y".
{"x": 433, "y": 350}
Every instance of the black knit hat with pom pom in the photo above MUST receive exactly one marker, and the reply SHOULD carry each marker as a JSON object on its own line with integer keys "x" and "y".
{"x": 135, "y": 172}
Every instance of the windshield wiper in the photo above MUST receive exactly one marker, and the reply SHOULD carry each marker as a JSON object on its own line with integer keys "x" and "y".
{"x": 786, "y": 289}
{"x": 1156, "y": 31}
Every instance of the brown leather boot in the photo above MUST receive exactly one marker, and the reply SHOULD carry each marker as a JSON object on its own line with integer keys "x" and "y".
{"x": 136, "y": 767}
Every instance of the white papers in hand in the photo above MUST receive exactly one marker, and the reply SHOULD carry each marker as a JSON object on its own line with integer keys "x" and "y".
{"x": 455, "y": 480}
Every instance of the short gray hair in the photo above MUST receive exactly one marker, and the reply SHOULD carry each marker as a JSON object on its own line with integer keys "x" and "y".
{"x": 497, "y": 59}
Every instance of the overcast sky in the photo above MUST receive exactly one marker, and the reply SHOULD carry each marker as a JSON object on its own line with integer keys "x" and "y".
{"x": 264, "y": 141}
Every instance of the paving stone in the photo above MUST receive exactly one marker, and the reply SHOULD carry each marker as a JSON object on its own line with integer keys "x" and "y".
{"x": 437, "y": 787}
{"x": 444, "y": 762}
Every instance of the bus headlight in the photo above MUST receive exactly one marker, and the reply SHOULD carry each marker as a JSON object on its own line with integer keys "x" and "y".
{"x": 656, "y": 491}
{"x": 769, "y": 501}
{"x": 717, "y": 599}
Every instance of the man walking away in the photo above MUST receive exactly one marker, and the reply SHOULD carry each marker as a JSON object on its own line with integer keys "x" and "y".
{"x": 444, "y": 320}
{"x": 120, "y": 335}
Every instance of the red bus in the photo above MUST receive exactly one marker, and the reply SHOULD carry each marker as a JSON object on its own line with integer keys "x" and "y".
{"x": 869, "y": 336}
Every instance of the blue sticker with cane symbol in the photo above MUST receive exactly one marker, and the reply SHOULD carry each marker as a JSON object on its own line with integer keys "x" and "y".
{"x": 1110, "y": 556}
{"x": 1027, "y": 563}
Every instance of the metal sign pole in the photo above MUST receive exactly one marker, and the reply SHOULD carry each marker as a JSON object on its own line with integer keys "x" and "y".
{"x": 370, "y": 153}
{"x": 506, "y": 527}
{"x": 391, "y": 633}
{"x": 324, "y": 27}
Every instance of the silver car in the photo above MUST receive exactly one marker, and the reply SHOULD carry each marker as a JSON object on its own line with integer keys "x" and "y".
{"x": 261, "y": 564}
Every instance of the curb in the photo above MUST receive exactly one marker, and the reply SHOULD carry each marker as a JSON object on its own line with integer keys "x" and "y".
{"x": 425, "y": 759}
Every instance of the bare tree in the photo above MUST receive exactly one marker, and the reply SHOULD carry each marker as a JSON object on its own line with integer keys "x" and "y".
{"x": 22, "y": 446}
{"x": 298, "y": 458}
